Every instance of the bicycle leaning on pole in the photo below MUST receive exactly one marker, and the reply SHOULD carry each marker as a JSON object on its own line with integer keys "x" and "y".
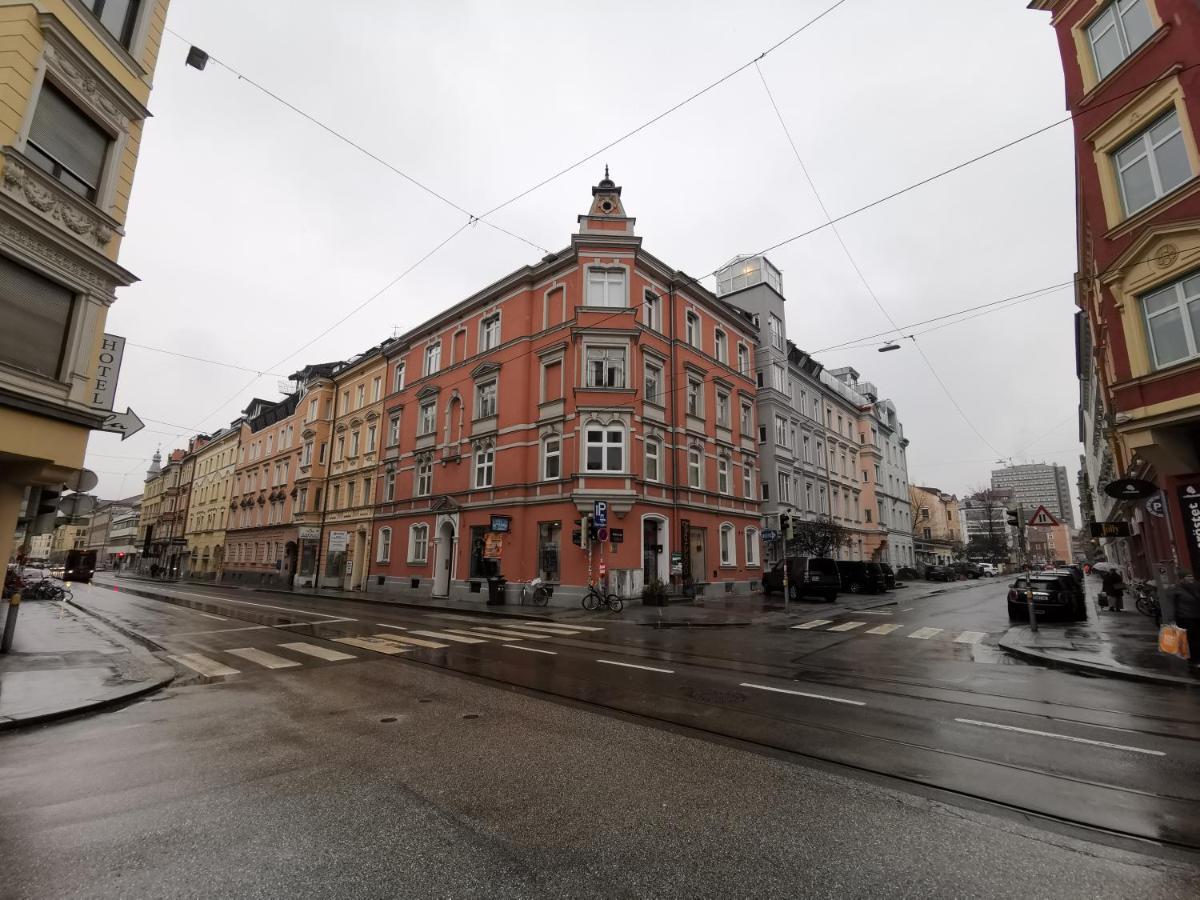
{"x": 594, "y": 600}
{"x": 536, "y": 592}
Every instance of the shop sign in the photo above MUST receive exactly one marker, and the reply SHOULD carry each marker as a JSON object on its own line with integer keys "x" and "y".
{"x": 1189, "y": 508}
{"x": 1157, "y": 506}
{"x": 310, "y": 532}
{"x": 1130, "y": 488}
{"x": 501, "y": 523}
{"x": 339, "y": 541}
{"x": 676, "y": 563}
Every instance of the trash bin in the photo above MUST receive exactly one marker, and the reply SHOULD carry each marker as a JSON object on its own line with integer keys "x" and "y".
{"x": 496, "y": 588}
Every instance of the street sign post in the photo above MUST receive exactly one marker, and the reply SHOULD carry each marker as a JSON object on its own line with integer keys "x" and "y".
{"x": 770, "y": 534}
{"x": 600, "y": 513}
{"x": 124, "y": 424}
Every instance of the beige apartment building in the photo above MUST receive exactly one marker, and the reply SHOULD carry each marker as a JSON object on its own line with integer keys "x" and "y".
{"x": 208, "y": 511}
{"x": 937, "y": 529}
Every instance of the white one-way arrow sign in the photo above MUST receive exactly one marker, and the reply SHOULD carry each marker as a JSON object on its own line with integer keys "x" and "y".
{"x": 124, "y": 424}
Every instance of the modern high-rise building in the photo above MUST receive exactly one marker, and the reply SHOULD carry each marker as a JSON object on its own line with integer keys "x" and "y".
{"x": 75, "y": 82}
{"x": 1038, "y": 484}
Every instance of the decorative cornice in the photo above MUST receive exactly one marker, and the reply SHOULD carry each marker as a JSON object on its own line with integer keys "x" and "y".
{"x": 33, "y": 189}
{"x": 70, "y": 62}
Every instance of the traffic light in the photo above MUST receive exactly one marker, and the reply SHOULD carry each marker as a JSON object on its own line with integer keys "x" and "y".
{"x": 786, "y": 525}
{"x": 1013, "y": 521}
{"x": 45, "y": 509}
{"x": 585, "y": 532}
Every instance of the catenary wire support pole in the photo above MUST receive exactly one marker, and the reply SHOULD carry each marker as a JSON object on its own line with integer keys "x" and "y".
{"x": 10, "y": 621}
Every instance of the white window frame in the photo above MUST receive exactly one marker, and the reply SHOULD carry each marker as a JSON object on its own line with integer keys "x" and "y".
{"x": 653, "y": 468}
{"x": 775, "y": 331}
{"x": 389, "y": 486}
{"x": 743, "y": 359}
{"x": 695, "y": 397}
{"x": 605, "y": 284}
{"x": 383, "y": 545}
{"x": 489, "y": 332}
{"x": 551, "y": 450}
{"x": 486, "y": 399}
{"x": 428, "y": 417}
{"x": 695, "y": 467}
{"x": 748, "y": 480}
{"x": 657, "y": 380}
{"x": 1148, "y": 153}
{"x": 605, "y": 444}
{"x": 398, "y": 379}
{"x": 721, "y": 346}
{"x": 394, "y": 430}
{"x": 723, "y": 408}
{"x": 693, "y": 329}
{"x": 1182, "y": 301}
{"x": 781, "y": 431}
{"x": 1115, "y": 13}
{"x": 751, "y": 537}
{"x": 432, "y": 358}
{"x": 747, "y": 417}
{"x": 723, "y": 486}
{"x": 784, "y": 486}
{"x": 423, "y": 476}
{"x": 652, "y": 310}
{"x": 484, "y": 467}
{"x": 605, "y": 355}
{"x": 418, "y": 543}
{"x": 727, "y": 544}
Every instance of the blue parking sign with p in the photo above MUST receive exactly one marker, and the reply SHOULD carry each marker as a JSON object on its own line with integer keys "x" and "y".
{"x": 600, "y": 513}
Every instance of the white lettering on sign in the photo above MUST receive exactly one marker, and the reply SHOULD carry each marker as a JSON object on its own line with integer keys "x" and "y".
{"x": 107, "y": 368}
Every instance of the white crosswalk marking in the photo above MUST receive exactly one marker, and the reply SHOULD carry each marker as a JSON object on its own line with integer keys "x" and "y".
{"x": 883, "y": 629}
{"x": 970, "y": 637}
{"x": 548, "y": 629}
{"x": 924, "y": 634}
{"x": 496, "y": 632}
{"x": 847, "y": 626}
{"x": 203, "y": 665}
{"x": 813, "y": 623}
{"x": 457, "y": 638}
{"x": 263, "y": 658}
{"x": 319, "y": 652}
{"x": 530, "y": 649}
{"x": 556, "y": 625}
{"x": 372, "y": 644}
{"x": 416, "y": 642}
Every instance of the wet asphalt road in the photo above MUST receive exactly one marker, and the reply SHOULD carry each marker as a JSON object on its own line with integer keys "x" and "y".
{"x": 941, "y": 716}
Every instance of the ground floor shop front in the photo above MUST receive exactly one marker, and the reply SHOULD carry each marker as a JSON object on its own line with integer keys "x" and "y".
{"x": 454, "y": 552}
{"x": 260, "y": 556}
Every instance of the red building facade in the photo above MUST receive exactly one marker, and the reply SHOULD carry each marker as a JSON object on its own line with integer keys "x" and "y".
{"x": 1132, "y": 70}
{"x": 599, "y": 374}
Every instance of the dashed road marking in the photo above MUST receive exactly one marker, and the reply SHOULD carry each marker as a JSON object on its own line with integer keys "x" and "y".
{"x": 970, "y": 637}
{"x": 502, "y": 633}
{"x": 883, "y": 629}
{"x": 613, "y": 662}
{"x": 561, "y": 630}
{"x": 924, "y": 634}
{"x": 203, "y": 665}
{"x": 416, "y": 642}
{"x": 221, "y": 630}
{"x": 456, "y": 638}
{"x": 386, "y": 625}
{"x": 778, "y": 690}
{"x": 530, "y": 649}
{"x": 210, "y": 616}
{"x": 1061, "y": 737}
{"x": 813, "y": 623}
{"x": 847, "y": 626}
{"x": 319, "y": 652}
{"x": 373, "y": 644}
{"x": 576, "y": 627}
{"x": 263, "y": 658}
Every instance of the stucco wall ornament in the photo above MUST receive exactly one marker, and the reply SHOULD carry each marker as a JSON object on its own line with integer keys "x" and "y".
{"x": 26, "y": 188}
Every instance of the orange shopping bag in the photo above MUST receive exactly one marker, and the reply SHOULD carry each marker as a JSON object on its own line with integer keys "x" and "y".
{"x": 1172, "y": 640}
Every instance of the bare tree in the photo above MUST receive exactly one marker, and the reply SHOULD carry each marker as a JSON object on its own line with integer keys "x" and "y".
{"x": 817, "y": 537}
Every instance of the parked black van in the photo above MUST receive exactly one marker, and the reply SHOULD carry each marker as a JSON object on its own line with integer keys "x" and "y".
{"x": 808, "y": 576}
{"x": 859, "y": 577}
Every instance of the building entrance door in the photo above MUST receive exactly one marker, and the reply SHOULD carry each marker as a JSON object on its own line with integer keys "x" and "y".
{"x": 443, "y": 557}
{"x": 699, "y": 564}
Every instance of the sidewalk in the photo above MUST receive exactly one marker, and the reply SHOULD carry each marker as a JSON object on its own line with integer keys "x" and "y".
{"x": 1115, "y": 645}
{"x": 64, "y": 662}
{"x": 722, "y": 610}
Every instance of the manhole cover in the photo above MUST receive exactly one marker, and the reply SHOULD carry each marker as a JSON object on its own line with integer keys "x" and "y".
{"x": 425, "y": 700}
{"x": 470, "y": 715}
{"x": 389, "y": 719}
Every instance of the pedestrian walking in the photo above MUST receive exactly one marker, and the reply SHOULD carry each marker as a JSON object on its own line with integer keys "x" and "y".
{"x": 1185, "y": 597}
{"x": 1114, "y": 586}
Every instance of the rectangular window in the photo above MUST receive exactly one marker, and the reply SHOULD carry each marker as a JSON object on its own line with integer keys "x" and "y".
{"x": 312, "y": 411}
{"x": 775, "y": 331}
{"x": 117, "y": 16}
{"x": 606, "y": 287}
{"x": 779, "y": 378}
{"x": 1117, "y": 32}
{"x": 1173, "y": 321}
{"x": 367, "y": 496}
{"x": 383, "y": 552}
{"x": 66, "y": 144}
{"x": 747, "y": 420}
{"x": 552, "y": 386}
{"x": 747, "y": 481}
{"x": 692, "y": 329}
{"x": 781, "y": 431}
{"x": 485, "y": 400}
{"x": 548, "y": 538}
{"x": 650, "y": 311}
{"x": 418, "y": 543}
{"x": 389, "y": 486}
{"x": 551, "y": 457}
{"x": 351, "y": 488}
{"x": 695, "y": 398}
{"x": 433, "y": 358}
{"x": 653, "y": 384}
{"x": 424, "y": 476}
{"x": 1152, "y": 164}
{"x": 353, "y": 444}
{"x": 371, "y": 432}
{"x": 695, "y": 467}
{"x": 377, "y": 388}
{"x": 605, "y": 449}
{"x": 360, "y": 395}
{"x": 653, "y": 461}
{"x": 394, "y": 431}
{"x": 341, "y": 448}
{"x": 743, "y": 359}
{"x": 606, "y": 367}
{"x": 321, "y": 457}
{"x": 721, "y": 346}
{"x": 723, "y": 474}
{"x": 485, "y": 466}
{"x": 727, "y": 545}
{"x": 398, "y": 378}
{"x": 336, "y": 499}
{"x": 785, "y": 487}
{"x": 489, "y": 333}
{"x": 428, "y": 417}
{"x": 36, "y": 314}
{"x": 723, "y": 409}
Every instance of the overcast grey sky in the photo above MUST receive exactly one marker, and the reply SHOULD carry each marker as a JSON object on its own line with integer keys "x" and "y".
{"x": 253, "y": 230}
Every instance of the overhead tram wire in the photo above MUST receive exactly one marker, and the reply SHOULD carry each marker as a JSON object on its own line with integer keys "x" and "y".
{"x": 854, "y": 265}
{"x": 472, "y": 217}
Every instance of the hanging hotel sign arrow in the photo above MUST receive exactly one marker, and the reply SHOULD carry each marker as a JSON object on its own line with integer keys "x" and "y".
{"x": 1130, "y": 488}
{"x": 124, "y": 424}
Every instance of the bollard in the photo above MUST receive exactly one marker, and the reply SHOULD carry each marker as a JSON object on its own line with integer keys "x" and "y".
{"x": 1032, "y": 611}
{"x": 10, "y": 622}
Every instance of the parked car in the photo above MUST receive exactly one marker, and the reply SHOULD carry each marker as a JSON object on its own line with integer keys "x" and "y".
{"x": 808, "y": 576}
{"x": 861, "y": 577}
{"x": 938, "y": 573}
{"x": 989, "y": 569}
{"x": 1055, "y": 594}
{"x": 907, "y": 573}
{"x": 966, "y": 569}
{"x": 80, "y": 565}
{"x": 889, "y": 576}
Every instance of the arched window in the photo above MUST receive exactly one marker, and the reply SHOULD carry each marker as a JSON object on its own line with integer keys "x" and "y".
{"x": 751, "y": 546}
{"x": 485, "y": 465}
{"x": 728, "y": 547}
{"x": 551, "y": 457}
{"x": 723, "y": 474}
{"x": 653, "y": 460}
{"x": 604, "y": 446}
{"x": 418, "y": 543}
{"x": 383, "y": 552}
{"x": 695, "y": 467}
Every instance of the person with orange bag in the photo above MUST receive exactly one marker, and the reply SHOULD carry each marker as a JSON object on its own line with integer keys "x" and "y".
{"x": 1185, "y": 599}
